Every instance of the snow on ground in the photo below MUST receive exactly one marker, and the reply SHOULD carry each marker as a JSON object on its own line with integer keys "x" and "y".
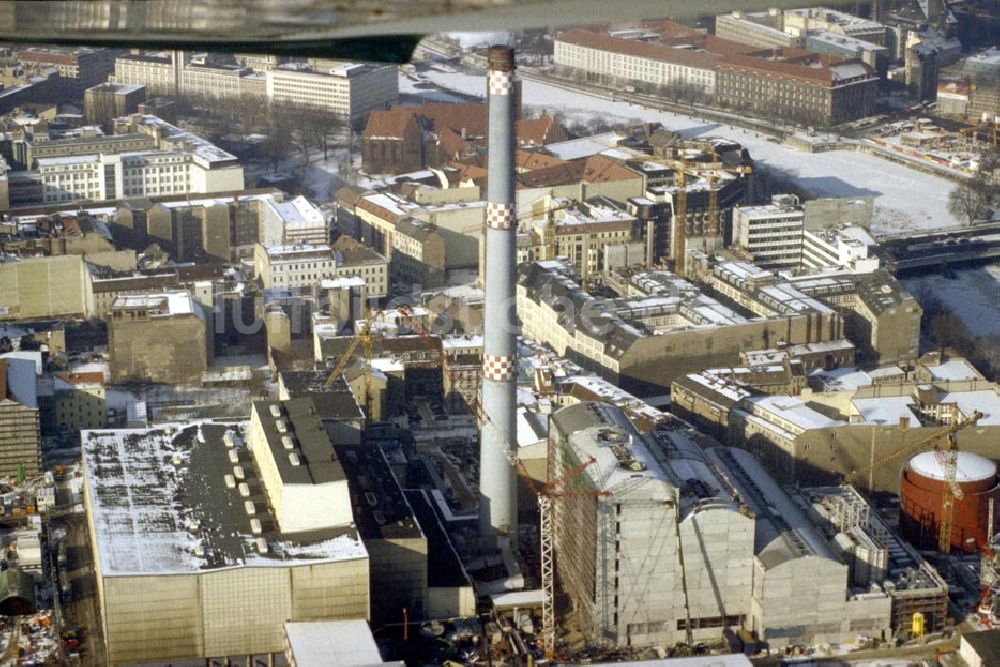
{"x": 425, "y": 91}
{"x": 974, "y": 295}
{"x": 906, "y": 199}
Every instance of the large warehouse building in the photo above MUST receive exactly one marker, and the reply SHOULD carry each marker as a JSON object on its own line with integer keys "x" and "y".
{"x": 191, "y": 561}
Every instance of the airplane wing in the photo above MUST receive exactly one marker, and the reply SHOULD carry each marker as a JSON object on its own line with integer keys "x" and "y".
{"x": 369, "y": 30}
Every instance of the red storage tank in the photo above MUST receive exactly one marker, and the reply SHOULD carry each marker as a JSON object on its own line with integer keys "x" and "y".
{"x": 922, "y": 495}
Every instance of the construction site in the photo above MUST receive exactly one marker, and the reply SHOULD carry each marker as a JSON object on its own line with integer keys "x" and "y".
{"x": 596, "y": 528}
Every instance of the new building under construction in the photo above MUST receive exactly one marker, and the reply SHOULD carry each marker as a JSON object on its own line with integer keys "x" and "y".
{"x": 658, "y": 541}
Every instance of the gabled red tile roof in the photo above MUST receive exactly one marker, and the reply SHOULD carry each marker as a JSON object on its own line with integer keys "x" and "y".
{"x": 602, "y": 169}
{"x": 529, "y": 161}
{"x": 533, "y": 131}
{"x": 388, "y": 122}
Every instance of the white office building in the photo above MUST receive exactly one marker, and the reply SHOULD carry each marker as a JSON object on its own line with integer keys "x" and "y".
{"x": 349, "y": 90}
{"x": 181, "y": 163}
{"x": 771, "y": 233}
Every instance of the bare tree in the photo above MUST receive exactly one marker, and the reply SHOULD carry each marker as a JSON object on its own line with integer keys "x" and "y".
{"x": 975, "y": 198}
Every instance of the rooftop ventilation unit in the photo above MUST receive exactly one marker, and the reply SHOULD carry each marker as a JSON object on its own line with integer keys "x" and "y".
{"x": 288, "y": 442}
{"x": 275, "y": 410}
{"x": 293, "y": 458}
{"x": 238, "y": 473}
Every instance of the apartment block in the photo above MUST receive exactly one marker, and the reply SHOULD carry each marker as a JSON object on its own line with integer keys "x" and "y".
{"x": 292, "y": 266}
{"x": 79, "y": 68}
{"x": 20, "y": 437}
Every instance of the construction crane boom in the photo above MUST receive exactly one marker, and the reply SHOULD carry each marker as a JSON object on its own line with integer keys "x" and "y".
{"x": 947, "y": 459}
{"x": 363, "y": 338}
{"x": 554, "y": 488}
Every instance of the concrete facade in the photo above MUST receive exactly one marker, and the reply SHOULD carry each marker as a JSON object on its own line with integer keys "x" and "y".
{"x": 38, "y": 287}
{"x": 158, "y": 338}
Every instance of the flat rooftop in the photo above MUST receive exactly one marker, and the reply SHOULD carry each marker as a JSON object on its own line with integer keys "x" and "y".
{"x": 165, "y": 303}
{"x": 161, "y": 504}
{"x": 324, "y": 643}
{"x": 297, "y": 419}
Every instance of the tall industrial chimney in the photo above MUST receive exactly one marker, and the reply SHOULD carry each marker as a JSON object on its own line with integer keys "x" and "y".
{"x": 498, "y": 430}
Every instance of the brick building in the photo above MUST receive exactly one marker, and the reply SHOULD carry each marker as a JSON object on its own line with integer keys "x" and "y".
{"x": 797, "y": 85}
{"x": 403, "y": 139}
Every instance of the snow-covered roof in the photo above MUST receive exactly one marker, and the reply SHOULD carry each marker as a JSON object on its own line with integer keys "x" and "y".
{"x": 887, "y": 410}
{"x": 160, "y": 504}
{"x": 323, "y": 643}
{"x": 987, "y": 401}
{"x": 953, "y": 369}
{"x": 583, "y": 147}
{"x": 970, "y": 467}
{"x": 298, "y": 212}
{"x": 841, "y": 379}
{"x": 792, "y": 409}
{"x": 164, "y": 303}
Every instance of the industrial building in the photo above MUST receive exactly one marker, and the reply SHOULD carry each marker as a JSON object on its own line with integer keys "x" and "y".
{"x": 324, "y": 643}
{"x": 192, "y": 559}
{"x": 616, "y": 534}
{"x": 655, "y": 535}
{"x": 827, "y": 435}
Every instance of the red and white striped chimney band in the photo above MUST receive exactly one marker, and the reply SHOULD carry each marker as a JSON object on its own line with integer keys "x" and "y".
{"x": 499, "y": 216}
{"x": 500, "y": 82}
{"x": 499, "y": 368}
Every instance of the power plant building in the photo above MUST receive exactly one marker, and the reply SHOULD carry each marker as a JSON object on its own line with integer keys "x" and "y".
{"x": 616, "y": 547}
{"x": 654, "y": 519}
{"x": 191, "y": 562}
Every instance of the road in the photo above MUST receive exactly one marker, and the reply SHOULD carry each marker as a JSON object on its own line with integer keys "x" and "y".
{"x": 83, "y": 611}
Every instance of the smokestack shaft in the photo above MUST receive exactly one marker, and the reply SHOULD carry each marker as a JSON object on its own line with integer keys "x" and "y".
{"x": 498, "y": 479}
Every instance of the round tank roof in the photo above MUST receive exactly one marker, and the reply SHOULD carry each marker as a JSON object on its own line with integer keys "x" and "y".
{"x": 971, "y": 467}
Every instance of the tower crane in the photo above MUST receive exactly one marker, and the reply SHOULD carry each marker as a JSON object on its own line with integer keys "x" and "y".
{"x": 364, "y": 339}
{"x": 554, "y": 488}
{"x": 947, "y": 458}
{"x": 679, "y": 231}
